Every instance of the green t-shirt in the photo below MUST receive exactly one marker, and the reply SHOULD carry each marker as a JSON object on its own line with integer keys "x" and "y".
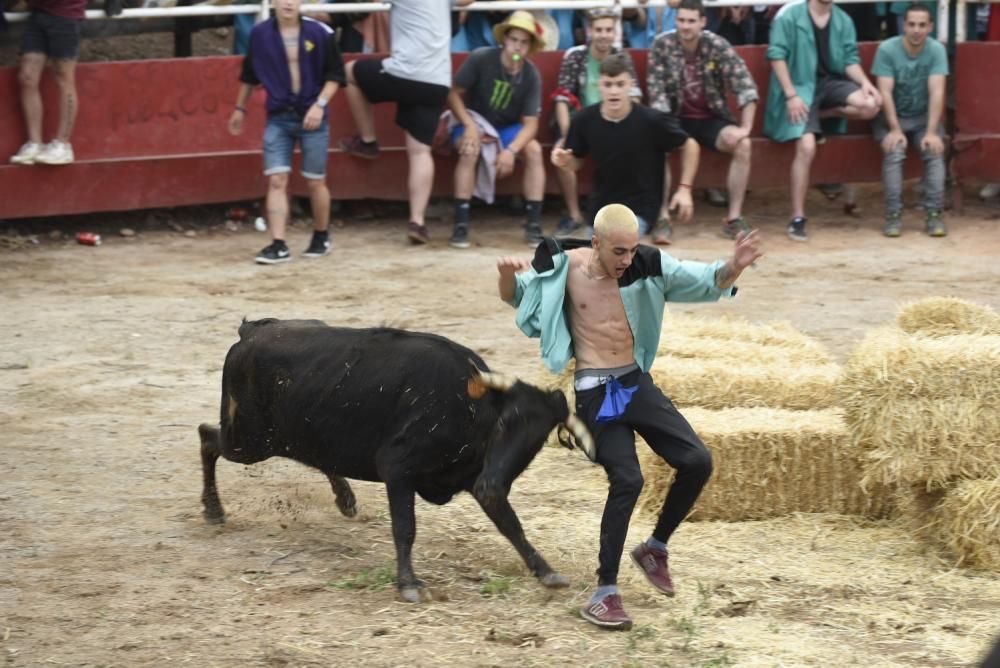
{"x": 910, "y": 73}
{"x": 591, "y": 93}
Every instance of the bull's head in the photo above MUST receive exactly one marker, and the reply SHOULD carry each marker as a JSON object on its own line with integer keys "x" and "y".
{"x": 527, "y": 416}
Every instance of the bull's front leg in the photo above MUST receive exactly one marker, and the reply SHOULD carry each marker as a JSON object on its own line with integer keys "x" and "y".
{"x": 493, "y": 500}
{"x": 404, "y": 531}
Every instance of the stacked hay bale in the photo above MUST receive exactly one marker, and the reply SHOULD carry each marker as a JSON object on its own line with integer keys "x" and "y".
{"x": 731, "y": 363}
{"x": 923, "y": 401}
{"x": 771, "y": 462}
{"x": 761, "y": 397}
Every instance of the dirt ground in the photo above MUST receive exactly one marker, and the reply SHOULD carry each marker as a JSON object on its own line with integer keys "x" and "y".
{"x": 112, "y": 357}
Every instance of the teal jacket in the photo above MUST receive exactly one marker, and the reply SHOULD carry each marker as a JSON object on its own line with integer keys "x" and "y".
{"x": 653, "y": 279}
{"x": 793, "y": 41}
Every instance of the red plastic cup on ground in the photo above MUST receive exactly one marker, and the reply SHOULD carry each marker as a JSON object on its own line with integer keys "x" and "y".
{"x": 237, "y": 213}
{"x": 88, "y": 239}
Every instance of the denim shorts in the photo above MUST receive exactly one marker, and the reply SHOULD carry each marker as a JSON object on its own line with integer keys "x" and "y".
{"x": 280, "y": 134}
{"x": 507, "y": 134}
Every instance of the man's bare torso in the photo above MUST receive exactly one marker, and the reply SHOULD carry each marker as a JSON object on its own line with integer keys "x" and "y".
{"x": 602, "y": 337}
{"x": 290, "y": 38}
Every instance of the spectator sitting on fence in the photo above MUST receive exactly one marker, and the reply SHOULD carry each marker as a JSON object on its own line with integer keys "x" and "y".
{"x": 51, "y": 34}
{"x": 577, "y": 87}
{"x": 816, "y": 84}
{"x": 688, "y": 74}
{"x": 504, "y": 90}
{"x": 297, "y": 61}
{"x": 911, "y": 72}
{"x": 417, "y": 76}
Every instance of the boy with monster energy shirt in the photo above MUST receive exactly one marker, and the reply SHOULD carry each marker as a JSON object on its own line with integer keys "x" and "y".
{"x": 504, "y": 90}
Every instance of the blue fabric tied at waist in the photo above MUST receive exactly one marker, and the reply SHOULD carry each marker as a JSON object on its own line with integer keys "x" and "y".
{"x": 616, "y": 400}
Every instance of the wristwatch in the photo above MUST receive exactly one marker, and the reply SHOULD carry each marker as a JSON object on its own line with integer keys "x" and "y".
{"x": 321, "y": 103}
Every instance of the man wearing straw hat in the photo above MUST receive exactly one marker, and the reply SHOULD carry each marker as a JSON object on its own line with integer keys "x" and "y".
{"x": 602, "y": 302}
{"x": 504, "y": 91}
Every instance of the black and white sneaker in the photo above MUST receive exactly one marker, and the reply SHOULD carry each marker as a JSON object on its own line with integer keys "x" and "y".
{"x": 273, "y": 254}
{"x": 460, "y": 236}
{"x": 797, "y": 229}
{"x": 318, "y": 247}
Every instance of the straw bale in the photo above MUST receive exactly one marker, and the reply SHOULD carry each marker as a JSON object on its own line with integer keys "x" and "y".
{"x": 947, "y": 316}
{"x": 925, "y": 408}
{"x": 736, "y": 337}
{"x": 969, "y": 521}
{"x": 720, "y": 383}
{"x": 919, "y": 510}
{"x": 771, "y": 462}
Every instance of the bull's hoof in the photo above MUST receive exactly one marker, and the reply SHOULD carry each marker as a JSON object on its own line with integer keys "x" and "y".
{"x": 412, "y": 594}
{"x": 347, "y": 507}
{"x": 554, "y": 581}
{"x": 214, "y": 516}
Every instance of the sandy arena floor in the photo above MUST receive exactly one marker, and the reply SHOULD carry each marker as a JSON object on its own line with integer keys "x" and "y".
{"x": 112, "y": 357}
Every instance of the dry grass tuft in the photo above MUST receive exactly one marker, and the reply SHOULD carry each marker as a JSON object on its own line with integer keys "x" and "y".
{"x": 771, "y": 462}
{"x": 947, "y": 316}
{"x": 925, "y": 407}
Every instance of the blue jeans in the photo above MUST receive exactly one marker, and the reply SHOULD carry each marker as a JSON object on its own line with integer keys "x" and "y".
{"x": 283, "y": 129}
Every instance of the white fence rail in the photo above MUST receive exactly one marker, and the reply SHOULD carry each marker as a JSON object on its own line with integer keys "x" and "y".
{"x": 263, "y": 9}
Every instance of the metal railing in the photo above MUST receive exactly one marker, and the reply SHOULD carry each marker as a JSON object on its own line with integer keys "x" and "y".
{"x": 262, "y": 10}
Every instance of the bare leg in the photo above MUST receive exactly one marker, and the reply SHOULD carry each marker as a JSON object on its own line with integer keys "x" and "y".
{"x": 361, "y": 109}
{"x": 29, "y": 76}
{"x": 665, "y": 203}
{"x": 465, "y": 175}
{"x": 534, "y": 172}
{"x": 65, "y": 72}
{"x": 739, "y": 170}
{"x": 277, "y": 204}
{"x": 421, "y": 177}
{"x": 859, "y": 107}
{"x": 571, "y": 195}
{"x": 319, "y": 198}
{"x": 805, "y": 151}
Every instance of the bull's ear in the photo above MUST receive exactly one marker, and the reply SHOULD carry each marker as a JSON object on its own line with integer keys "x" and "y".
{"x": 476, "y": 387}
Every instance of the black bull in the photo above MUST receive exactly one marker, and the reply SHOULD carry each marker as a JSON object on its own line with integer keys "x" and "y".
{"x": 417, "y": 412}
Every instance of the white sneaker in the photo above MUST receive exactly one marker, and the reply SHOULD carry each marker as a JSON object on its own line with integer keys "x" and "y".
{"x": 989, "y": 191}
{"x": 27, "y": 154}
{"x": 55, "y": 153}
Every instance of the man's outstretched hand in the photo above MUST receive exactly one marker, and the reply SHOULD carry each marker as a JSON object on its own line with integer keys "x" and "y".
{"x": 508, "y": 266}
{"x": 747, "y": 249}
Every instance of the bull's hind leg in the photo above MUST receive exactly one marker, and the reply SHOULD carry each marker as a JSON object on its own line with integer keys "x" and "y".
{"x": 346, "y": 502}
{"x": 494, "y": 502}
{"x": 210, "y": 453}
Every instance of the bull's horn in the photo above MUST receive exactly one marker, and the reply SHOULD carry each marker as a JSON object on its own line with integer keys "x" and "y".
{"x": 497, "y": 381}
{"x": 583, "y": 438}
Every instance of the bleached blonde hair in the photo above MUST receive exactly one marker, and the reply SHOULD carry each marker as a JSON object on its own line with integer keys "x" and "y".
{"x": 615, "y": 218}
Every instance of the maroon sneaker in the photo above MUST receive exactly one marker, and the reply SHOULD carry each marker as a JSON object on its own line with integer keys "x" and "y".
{"x": 654, "y": 565}
{"x": 417, "y": 233}
{"x": 607, "y": 613}
{"x": 354, "y": 146}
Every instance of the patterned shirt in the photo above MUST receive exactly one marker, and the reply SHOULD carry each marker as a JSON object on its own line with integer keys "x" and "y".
{"x": 723, "y": 68}
{"x": 573, "y": 77}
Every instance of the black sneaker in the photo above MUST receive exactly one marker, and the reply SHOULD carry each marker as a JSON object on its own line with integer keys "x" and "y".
{"x": 318, "y": 247}
{"x": 567, "y": 227}
{"x": 460, "y": 236}
{"x": 734, "y": 227}
{"x": 933, "y": 224}
{"x": 273, "y": 254}
{"x": 533, "y": 234}
{"x": 893, "y": 225}
{"x": 797, "y": 229}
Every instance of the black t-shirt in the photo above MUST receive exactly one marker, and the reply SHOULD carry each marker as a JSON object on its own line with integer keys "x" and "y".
{"x": 628, "y": 156}
{"x": 822, "y": 36}
{"x": 501, "y": 98}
